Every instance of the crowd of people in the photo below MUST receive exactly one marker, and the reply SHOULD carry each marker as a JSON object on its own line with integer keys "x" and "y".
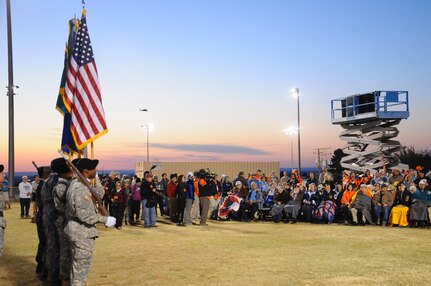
{"x": 66, "y": 207}
{"x": 386, "y": 197}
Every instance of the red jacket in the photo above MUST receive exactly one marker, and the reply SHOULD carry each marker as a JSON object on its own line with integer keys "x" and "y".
{"x": 170, "y": 190}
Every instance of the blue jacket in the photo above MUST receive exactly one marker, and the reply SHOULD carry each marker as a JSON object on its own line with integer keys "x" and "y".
{"x": 190, "y": 194}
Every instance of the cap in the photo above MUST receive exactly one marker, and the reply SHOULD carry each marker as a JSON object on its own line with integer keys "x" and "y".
{"x": 59, "y": 166}
{"x": 423, "y": 182}
{"x": 363, "y": 185}
{"x": 347, "y": 172}
{"x": 384, "y": 185}
{"x": 238, "y": 183}
{"x": 391, "y": 187}
{"x": 85, "y": 163}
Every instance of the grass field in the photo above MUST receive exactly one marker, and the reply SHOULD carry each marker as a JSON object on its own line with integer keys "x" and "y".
{"x": 232, "y": 253}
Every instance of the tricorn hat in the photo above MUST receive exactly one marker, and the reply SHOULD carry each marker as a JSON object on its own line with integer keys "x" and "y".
{"x": 59, "y": 166}
{"x": 85, "y": 164}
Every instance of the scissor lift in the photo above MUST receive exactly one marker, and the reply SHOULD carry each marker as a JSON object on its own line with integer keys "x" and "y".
{"x": 370, "y": 121}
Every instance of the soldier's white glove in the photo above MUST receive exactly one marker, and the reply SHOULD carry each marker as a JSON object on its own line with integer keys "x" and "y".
{"x": 110, "y": 222}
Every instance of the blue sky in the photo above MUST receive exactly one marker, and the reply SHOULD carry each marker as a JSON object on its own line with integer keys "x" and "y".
{"x": 217, "y": 74}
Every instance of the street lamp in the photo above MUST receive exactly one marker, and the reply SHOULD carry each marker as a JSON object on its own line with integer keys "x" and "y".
{"x": 148, "y": 127}
{"x": 291, "y": 131}
{"x": 295, "y": 93}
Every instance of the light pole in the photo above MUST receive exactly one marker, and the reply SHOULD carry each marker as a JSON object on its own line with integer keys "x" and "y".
{"x": 295, "y": 93}
{"x": 148, "y": 127}
{"x": 291, "y": 131}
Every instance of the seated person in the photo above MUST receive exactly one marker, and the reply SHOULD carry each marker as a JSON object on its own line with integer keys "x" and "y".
{"x": 241, "y": 192}
{"x": 346, "y": 201}
{"x": 269, "y": 196}
{"x": 421, "y": 203}
{"x": 280, "y": 200}
{"x": 383, "y": 201}
{"x": 253, "y": 201}
{"x": 326, "y": 209}
{"x": 310, "y": 202}
{"x": 400, "y": 210}
{"x": 294, "y": 205}
{"x": 361, "y": 201}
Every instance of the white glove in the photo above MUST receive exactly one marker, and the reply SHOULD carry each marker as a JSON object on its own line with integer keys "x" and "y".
{"x": 110, "y": 222}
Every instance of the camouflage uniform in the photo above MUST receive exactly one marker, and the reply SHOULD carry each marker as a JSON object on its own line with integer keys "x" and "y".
{"x": 49, "y": 217}
{"x": 59, "y": 194}
{"x": 81, "y": 230}
{"x": 41, "y": 269}
{"x": 2, "y": 221}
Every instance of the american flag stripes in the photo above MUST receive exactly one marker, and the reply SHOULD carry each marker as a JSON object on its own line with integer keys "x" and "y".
{"x": 82, "y": 92}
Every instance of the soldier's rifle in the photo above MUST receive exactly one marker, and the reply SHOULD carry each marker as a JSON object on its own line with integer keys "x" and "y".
{"x": 94, "y": 196}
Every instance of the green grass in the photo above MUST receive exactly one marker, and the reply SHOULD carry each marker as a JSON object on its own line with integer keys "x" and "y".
{"x": 235, "y": 253}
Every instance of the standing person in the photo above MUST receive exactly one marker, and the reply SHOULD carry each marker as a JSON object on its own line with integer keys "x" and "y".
{"x": 226, "y": 186}
{"x": 149, "y": 201}
{"x": 82, "y": 218}
{"x": 49, "y": 217}
{"x": 163, "y": 186}
{"x": 204, "y": 199}
{"x": 135, "y": 202}
{"x": 161, "y": 191}
{"x": 128, "y": 191}
{"x": 24, "y": 196}
{"x": 170, "y": 194}
{"x": 190, "y": 196}
{"x": 196, "y": 203}
{"x": 241, "y": 178}
{"x": 118, "y": 199}
{"x": 41, "y": 268}
{"x": 181, "y": 195}
{"x": 113, "y": 179}
{"x": 34, "y": 185}
{"x": 2, "y": 219}
{"x": 5, "y": 190}
{"x": 63, "y": 255}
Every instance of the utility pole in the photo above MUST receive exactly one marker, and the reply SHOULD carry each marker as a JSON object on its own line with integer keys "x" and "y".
{"x": 10, "y": 93}
{"x": 319, "y": 153}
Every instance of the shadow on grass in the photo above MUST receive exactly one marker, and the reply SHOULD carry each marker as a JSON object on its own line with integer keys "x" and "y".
{"x": 18, "y": 270}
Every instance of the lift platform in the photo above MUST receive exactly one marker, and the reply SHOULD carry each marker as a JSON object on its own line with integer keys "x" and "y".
{"x": 370, "y": 121}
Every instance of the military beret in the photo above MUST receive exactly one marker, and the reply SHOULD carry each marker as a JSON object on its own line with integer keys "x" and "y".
{"x": 59, "y": 166}
{"x": 1, "y": 168}
{"x": 85, "y": 163}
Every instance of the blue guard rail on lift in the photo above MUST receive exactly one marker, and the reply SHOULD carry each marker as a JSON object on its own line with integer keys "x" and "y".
{"x": 358, "y": 108}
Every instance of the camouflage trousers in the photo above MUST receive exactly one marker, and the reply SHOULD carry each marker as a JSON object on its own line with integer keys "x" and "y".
{"x": 2, "y": 228}
{"x": 52, "y": 251}
{"x": 82, "y": 255}
{"x": 65, "y": 251}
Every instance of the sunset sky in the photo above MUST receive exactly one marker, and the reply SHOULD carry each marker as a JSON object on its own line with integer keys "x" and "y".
{"x": 215, "y": 75}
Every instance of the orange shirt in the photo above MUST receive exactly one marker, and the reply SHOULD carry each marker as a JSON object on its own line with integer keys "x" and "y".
{"x": 347, "y": 197}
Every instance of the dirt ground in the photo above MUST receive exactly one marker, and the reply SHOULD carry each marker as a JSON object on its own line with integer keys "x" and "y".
{"x": 224, "y": 253}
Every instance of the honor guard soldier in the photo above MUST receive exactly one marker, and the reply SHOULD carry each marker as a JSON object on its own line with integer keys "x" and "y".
{"x": 82, "y": 218}
{"x": 62, "y": 259}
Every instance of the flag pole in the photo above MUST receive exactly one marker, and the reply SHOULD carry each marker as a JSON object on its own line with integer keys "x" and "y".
{"x": 11, "y": 155}
{"x": 92, "y": 150}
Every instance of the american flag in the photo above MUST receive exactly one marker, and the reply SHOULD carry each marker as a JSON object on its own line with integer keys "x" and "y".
{"x": 82, "y": 92}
